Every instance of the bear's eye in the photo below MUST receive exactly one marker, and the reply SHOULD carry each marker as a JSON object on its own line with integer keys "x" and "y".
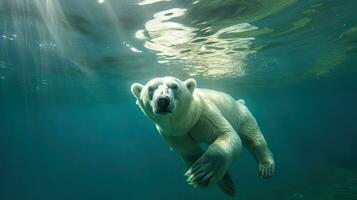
{"x": 173, "y": 86}
{"x": 151, "y": 88}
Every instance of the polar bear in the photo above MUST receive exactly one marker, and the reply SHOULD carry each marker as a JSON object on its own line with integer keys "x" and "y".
{"x": 186, "y": 116}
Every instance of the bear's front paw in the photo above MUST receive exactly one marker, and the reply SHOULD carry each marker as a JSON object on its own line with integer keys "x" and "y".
{"x": 206, "y": 170}
{"x": 266, "y": 168}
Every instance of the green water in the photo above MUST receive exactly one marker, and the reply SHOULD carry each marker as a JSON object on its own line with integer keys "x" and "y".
{"x": 70, "y": 129}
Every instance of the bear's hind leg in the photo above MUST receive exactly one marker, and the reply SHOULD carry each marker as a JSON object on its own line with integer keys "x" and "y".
{"x": 264, "y": 158}
{"x": 260, "y": 151}
{"x": 253, "y": 139}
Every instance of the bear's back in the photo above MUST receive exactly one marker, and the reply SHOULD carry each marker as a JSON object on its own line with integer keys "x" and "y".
{"x": 231, "y": 109}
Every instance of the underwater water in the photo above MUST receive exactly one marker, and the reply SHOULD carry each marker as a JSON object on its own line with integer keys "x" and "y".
{"x": 70, "y": 128}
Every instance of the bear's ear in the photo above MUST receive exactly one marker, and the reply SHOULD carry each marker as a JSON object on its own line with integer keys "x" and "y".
{"x": 136, "y": 89}
{"x": 190, "y": 84}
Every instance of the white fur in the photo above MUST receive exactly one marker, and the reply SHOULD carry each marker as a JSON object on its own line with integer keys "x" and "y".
{"x": 210, "y": 117}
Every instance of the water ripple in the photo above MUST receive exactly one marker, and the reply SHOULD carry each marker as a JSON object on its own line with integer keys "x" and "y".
{"x": 200, "y": 50}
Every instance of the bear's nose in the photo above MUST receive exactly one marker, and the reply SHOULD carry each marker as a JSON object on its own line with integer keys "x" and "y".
{"x": 163, "y": 102}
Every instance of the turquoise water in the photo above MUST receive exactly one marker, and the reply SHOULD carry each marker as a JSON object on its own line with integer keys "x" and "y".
{"x": 70, "y": 129}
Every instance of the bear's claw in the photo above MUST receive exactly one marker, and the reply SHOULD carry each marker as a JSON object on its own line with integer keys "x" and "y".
{"x": 204, "y": 172}
{"x": 266, "y": 169}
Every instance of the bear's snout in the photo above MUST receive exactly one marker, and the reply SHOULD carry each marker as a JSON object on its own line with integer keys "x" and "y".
{"x": 163, "y": 103}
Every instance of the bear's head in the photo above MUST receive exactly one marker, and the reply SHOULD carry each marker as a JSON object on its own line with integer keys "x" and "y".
{"x": 164, "y": 96}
